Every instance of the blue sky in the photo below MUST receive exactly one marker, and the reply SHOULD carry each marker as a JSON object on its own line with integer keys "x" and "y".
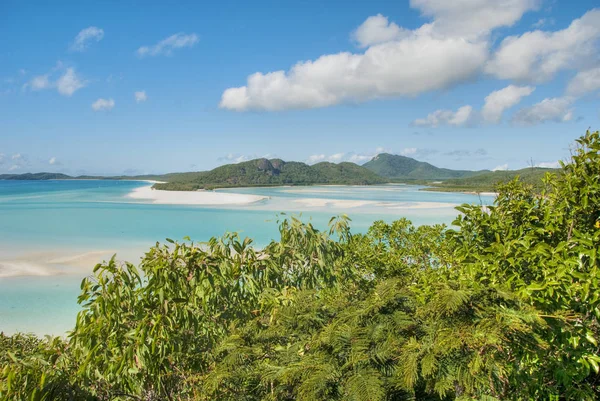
{"x": 116, "y": 87}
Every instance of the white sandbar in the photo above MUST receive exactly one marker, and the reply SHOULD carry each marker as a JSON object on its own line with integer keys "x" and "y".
{"x": 349, "y": 203}
{"x": 193, "y": 197}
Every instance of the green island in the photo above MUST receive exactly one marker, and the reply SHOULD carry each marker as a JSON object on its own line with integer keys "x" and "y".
{"x": 502, "y": 305}
{"x": 382, "y": 169}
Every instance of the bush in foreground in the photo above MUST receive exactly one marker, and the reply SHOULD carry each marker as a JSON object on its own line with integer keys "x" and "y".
{"x": 503, "y": 306}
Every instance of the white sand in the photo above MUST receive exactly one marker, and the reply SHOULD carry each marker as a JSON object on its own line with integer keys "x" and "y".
{"x": 319, "y": 202}
{"x": 52, "y": 263}
{"x": 16, "y": 268}
{"x": 422, "y": 205}
{"x": 348, "y": 203}
{"x": 193, "y": 197}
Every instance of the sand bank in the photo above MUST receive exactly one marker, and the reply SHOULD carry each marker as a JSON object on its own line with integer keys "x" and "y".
{"x": 193, "y": 197}
{"x": 349, "y": 203}
{"x": 52, "y": 263}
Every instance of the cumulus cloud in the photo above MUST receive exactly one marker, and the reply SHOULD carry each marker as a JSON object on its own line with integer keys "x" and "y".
{"x": 53, "y": 161}
{"x": 548, "y": 165}
{"x": 103, "y": 104}
{"x": 454, "y": 47}
{"x": 406, "y": 67}
{"x": 493, "y": 109}
{"x": 377, "y": 29}
{"x": 238, "y": 157}
{"x": 397, "y": 62}
{"x": 353, "y": 157}
{"x": 556, "y": 109}
{"x": 473, "y": 18}
{"x": 17, "y": 161}
{"x": 140, "y": 96}
{"x": 538, "y": 56}
{"x": 85, "y": 37}
{"x": 167, "y": 45}
{"x": 459, "y": 118}
{"x": 38, "y": 83}
{"x": 66, "y": 84}
{"x": 585, "y": 82}
{"x": 234, "y": 158}
{"x": 543, "y": 22}
{"x": 69, "y": 83}
{"x": 502, "y": 167}
{"x": 461, "y": 153}
{"x": 499, "y": 101}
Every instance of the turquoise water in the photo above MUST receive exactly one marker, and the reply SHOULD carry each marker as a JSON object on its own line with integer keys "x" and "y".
{"x": 50, "y": 229}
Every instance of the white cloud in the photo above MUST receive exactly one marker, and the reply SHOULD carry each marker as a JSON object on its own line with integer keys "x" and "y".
{"x": 461, "y": 117}
{"x": 38, "y": 83}
{"x": 140, "y": 96}
{"x": 548, "y": 165}
{"x": 166, "y": 46}
{"x": 353, "y": 157}
{"x": 407, "y": 67}
{"x": 2, "y": 156}
{"x": 85, "y": 37}
{"x": 556, "y": 109}
{"x": 408, "y": 151}
{"x": 585, "y": 82}
{"x": 543, "y": 22}
{"x": 18, "y": 161}
{"x": 472, "y": 18}
{"x": 103, "y": 104}
{"x": 69, "y": 83}
{"x": 407, "y": 64}
{"x": 495, "y": 105}
{"x": 66, "y": 84}
{"x": 316, "y": 159}
{"x": 499, "y": 101}
{"x": 239, "y": 158}
{"x": 451, "y": 49}
{"x": 502, "y": 167}
{"x": 538, "y": 56}
{"x": 52, "y": 161}
{"x": 377, "y": 29}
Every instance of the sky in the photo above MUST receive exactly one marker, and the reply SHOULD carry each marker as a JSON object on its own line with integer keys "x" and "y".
{"x": 123, "y": 87}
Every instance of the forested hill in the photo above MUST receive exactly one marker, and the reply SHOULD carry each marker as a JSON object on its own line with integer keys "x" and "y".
{"x": 381, "y": 169}
{"x": 35, "y": 176}
{"x": 406, "y": 168}
{"x": 489, "y": 181}
{"x": 273, "y": 172}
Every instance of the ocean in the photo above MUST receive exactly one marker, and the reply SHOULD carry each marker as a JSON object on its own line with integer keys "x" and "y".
{"x": 52, "y": 233}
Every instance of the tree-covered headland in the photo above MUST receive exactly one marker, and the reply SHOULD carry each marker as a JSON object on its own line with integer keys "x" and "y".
{"x": 503, "y": 305}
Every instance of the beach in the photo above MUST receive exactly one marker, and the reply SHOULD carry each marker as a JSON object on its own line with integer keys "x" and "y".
{"x": 200, "y": 197}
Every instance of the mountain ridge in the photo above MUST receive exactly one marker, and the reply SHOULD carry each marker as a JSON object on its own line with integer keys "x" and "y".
{"x": 383, "y": 168}
{"x": 402, "y": 167}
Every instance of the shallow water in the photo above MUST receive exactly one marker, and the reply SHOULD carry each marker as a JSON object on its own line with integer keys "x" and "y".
{"x": 56, "y": 231}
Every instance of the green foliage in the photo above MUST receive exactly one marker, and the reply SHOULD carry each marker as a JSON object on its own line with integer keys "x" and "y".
{"x": 407, "y": 168}
{"x": 489, "y": 181}
{"x": 263, "y": 172}
{"x": 502, "y": 306}
{"x": 35, "y": 176}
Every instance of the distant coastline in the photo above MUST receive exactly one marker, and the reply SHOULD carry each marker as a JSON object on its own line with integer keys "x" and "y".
{"x": 268, "y": 173}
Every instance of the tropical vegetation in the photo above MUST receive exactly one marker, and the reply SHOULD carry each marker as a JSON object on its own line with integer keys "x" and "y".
{"x": 264, "y": 172}
{"x": 502, "y": 305}
{"x": 398, "y": 167}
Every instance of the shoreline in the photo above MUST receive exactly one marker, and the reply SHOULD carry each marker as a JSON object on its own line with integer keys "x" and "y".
{"x": 200, "y": 197}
